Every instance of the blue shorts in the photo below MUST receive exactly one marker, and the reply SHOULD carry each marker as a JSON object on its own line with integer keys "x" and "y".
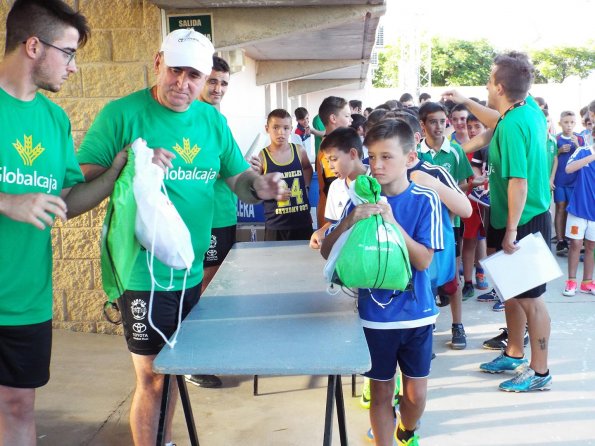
{"x": 562, "y": 194}
{"x": 410, "y": 348}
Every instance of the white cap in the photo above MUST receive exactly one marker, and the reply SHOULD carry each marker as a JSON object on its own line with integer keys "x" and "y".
{"x": 188, "y": 48}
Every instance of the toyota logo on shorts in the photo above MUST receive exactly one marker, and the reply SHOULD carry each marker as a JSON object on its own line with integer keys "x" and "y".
{"x": 139, "y": 328}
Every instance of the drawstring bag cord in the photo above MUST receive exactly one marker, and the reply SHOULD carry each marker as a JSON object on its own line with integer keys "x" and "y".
{"x": 150, "y": 262}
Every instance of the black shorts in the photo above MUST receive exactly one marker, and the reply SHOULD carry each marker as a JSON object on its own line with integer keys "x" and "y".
{"x": 141, "y": 338}
{"x": 540, "y": 223}
{"x": 222, "y": 239}
{"x": 280, "y": 235}
{"x": 25, "y": 352}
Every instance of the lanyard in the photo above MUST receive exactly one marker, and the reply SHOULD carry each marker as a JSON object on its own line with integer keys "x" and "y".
{"x": 512, "y": 107}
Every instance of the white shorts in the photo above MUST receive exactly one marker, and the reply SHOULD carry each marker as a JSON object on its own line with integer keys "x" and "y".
{"x": 580, "y": 228}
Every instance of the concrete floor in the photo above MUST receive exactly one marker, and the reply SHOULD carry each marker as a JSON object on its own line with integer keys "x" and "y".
{"x": 88, "y": 397}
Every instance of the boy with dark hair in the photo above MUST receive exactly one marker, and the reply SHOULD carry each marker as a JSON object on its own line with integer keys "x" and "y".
{"x": 458, "y": 120}
{"x": 334, "y": 112}
{"x": 435, "y": 148}
{"x": 303, "y": 123}
{"x": 568, "y": 141}
{"x": 42, "y": 38}
{"x": 286, "y": 219}
{"x": 398, "y": 329}
{"x": 423, "y": 98}
{"x": 355, "y": 106}
{"x": 406, "y": 100}
{"x": 474, "y": 241}
{"x": 343, "y": 150}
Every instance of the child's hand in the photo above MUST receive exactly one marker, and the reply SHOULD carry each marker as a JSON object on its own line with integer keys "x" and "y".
{"x": 564, "y": 149}
{"x": 574, "y": 139}
{"x": 552, "y": 186}
{"x": 363, "y": 211}
{"x": 255, "y": 164}
{"x": 317, "y": 238}
{"x": 387, "y": 212}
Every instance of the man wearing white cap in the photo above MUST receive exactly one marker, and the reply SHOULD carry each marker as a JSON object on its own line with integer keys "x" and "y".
{"x": 192, "y": 141}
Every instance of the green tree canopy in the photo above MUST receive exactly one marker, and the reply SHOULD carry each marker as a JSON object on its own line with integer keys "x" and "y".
{"x": 556, "y": 64}
{"x": 461, "y": 62}
{"x": 386, "y": 75}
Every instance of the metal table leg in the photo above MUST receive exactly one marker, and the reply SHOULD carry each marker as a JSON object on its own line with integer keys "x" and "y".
{"x": 192, "y": 434}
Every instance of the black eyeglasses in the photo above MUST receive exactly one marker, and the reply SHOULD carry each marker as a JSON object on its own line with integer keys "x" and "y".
{"x": 68, "y": 54}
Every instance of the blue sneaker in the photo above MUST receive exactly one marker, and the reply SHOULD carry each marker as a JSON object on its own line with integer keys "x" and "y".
{"x": 490, "y": 296}
{"x": 526, "y": 381}
{"x": 502, "y": 363}
{"x": 498, "y": 306}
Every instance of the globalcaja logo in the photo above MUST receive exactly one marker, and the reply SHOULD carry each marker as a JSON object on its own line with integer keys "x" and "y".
{"x": 186, "y": 152}
{"x": 28, "y": 154}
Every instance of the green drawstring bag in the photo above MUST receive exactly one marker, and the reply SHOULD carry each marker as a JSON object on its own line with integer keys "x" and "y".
{"x": 119, "y": 246}
{"x": 374, "y": 255}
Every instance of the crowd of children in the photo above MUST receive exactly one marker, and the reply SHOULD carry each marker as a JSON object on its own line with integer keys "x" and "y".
{"x": 437, "y": 152}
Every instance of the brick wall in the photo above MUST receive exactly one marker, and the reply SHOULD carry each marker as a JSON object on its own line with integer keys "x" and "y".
{"x": 117, "y": 60}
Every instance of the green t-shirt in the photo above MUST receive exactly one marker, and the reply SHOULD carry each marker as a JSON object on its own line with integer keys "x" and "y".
{"x": 450, "y": 156}
{"x": 226, "y": 205}
{"x": 318, "y": 125}
{"x": 516, "y": 151}
{"x": 204, "y": 148}
{"x": 37, "y": 156}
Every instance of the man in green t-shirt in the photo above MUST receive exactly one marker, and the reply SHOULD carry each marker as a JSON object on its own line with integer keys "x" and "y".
{"x": 436, "y": 149}
{"x": 223, "y": 231}
{"x": 517, "y": 164}
{"x": 192, "y": 142}
{"x": 39, "y": 181}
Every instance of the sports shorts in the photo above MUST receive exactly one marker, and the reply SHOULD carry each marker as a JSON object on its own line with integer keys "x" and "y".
{"x": 578, "y": 228}
{"x": 140, "y": 337}
{"x": 540, "y": 223}
{"x": 222, "y": 239}
{"x": 409, "y": 348}
{"x": 25, "y": 352}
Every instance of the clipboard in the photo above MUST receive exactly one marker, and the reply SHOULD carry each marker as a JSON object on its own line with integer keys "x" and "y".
{"x": 533, "y": 264}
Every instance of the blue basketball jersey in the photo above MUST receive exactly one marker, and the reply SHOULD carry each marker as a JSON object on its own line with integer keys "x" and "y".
{"x": 582, "y": 201}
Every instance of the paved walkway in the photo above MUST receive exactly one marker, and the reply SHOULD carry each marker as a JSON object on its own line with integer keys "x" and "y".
{"x": 88, "y": 397}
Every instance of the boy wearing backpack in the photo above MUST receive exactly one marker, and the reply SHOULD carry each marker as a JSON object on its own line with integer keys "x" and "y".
{"x": 398, "y": 325}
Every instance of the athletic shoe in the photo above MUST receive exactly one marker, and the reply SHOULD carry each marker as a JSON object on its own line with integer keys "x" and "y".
{"x": 527, "y": 381}
{"x": 364, "y": 401}
{"x": 501, "y": 341}
{"x": 413, "y": 441}
{"x": 502, "y": 363}
{"x": 480, "y": 281}
{"x": 206, "y": 381}
{"x": 588, "y": 287}
{"x": 490, "y": 296}
{"x": 498, "y": 306}
{"x": 468, "y": 291}
{"x": 458, "y": 341}
{"x": 562, "y": 248}
{"x": 570, "y": 289}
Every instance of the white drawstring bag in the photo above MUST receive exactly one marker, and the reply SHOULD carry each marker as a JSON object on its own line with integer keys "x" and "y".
{"x": 159, "y": 227}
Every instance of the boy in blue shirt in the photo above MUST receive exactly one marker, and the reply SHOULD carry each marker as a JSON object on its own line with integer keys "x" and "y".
{"x": 568, "y": 141}
{"x": 580, "y": 223}
{"x": 398, "y": 325}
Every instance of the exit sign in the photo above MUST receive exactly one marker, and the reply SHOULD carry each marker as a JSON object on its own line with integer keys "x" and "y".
{"x": 203, "y": 23}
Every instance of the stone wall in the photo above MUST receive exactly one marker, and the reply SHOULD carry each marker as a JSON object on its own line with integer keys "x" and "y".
{"x": 117, "y": 60}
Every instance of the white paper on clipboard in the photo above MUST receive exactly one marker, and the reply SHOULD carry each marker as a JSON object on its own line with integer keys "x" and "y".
{"x": 531, "y": 265}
